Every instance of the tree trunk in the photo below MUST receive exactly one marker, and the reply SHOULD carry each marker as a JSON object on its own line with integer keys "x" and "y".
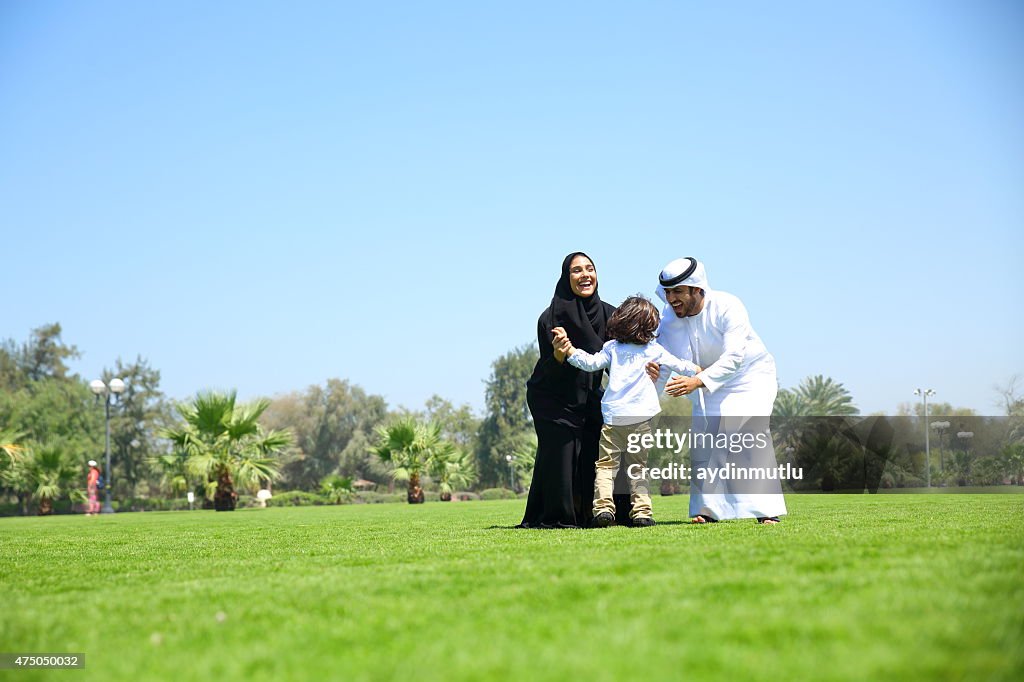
{"x": 45, "y": 506}
{"x": 415, "y": 494}
{"x": 446, "y": 497}
{"x": 225, "y": 498}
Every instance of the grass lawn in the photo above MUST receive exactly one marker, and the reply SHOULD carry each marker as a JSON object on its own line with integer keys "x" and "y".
{"x": 858, "y": 587}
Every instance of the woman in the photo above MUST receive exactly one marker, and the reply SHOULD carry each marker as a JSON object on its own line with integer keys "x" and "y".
{"x": 92, "y": 489}
{"x": 566, "y": 404}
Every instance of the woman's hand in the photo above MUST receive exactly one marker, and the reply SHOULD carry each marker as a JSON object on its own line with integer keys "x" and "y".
{"x": 559, "y": 341}
{"x": 680, "y": 386}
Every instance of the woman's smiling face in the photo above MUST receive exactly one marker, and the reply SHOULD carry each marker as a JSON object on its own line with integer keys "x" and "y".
{"x": 582, "y": 277}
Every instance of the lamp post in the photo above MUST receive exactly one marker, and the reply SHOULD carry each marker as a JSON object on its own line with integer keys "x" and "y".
{"x": 941, "y": 428}
{"x": 511, "y": 472}
{"x": 109, "y": 392}
{"x": 965, "y": 442}
{"x": 927, "y": 446}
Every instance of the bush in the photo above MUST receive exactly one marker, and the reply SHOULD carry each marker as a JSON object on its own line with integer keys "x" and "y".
{"x": 296, "y": 498}
{"x": 371, "y": 497}
{"x": 497, "y": 494}
{"x": 10, "y": 509}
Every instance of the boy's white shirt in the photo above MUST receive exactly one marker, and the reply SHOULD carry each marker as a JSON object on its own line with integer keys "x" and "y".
{"x": 631, "y": 397}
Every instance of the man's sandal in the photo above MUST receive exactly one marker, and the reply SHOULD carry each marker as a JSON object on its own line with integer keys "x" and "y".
{"x": 701, "y": 518}
{"x": 768, "y": 520}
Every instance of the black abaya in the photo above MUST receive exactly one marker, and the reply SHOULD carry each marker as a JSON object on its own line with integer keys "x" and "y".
{"x": 566, "y": 407}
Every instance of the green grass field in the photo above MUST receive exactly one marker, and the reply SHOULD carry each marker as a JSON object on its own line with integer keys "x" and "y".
{"x": 897, "y": 587}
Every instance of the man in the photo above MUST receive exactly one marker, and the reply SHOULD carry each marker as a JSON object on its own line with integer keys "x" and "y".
{"x": 732, "y": 397}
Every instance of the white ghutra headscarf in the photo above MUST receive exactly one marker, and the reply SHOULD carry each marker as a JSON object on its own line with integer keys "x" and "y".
{"x": 674, "y": 332}
{"x": 682, "y": 272}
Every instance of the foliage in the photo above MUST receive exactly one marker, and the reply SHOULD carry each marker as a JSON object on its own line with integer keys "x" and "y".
{"x": 450, "y": 467}
{"x": 507, "y": 427}
{"x": 11, "y": 449}
{"x": 141, "y": 413}
{"x": 337, "y": 489}
{"x": 371, "y": 497}
{"x": 49, "y": 473}
{"x": 405, "y": 445}
{"x": 458, "y": 424}
{"x": 334, "y": 427}
{"x": 817, "y": 396}
{"x": 174, "y": 479}
{"x": 497, "y": 494}
{"x": 296, "y": 498}
{"x": 225, "y": 444}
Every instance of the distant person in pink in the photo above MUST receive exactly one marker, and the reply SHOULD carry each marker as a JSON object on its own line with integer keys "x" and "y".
{"x": 92, "y": 487}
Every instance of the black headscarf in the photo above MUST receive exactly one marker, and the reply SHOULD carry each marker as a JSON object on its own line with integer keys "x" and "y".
{"x": 584, "y": 319}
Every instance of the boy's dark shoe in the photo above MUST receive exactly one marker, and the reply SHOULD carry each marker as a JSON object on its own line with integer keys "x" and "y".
{"x": 603, "y": 520}
{"x": 643, "y": 523}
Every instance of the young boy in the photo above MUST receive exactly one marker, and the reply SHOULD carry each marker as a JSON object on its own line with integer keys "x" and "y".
{"x": 629, "y": 402}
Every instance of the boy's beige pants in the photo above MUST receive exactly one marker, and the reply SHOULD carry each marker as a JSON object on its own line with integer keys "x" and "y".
{"x": 613, "y": 452}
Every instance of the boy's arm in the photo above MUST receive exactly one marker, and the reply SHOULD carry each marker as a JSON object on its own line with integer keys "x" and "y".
{"x": 684, "y": 367}
{"x": 589, "y": 362}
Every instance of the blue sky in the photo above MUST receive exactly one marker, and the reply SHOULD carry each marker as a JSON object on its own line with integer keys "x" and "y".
{"x": 264, "y": 195}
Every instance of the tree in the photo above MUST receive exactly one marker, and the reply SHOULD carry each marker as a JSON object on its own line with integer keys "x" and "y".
{"x": 458, "y": 424}
{"x": 225, "y": 444}
{"x": 337, "y": 489}
{"x": 825, "y": 397}
{"x": 49, "y": 474}
{"x": 44, "y": 355}
{"x": 1012, "y": 457}
{"x": 174, "y": 478}
{"x": 508, "y": 423}
{"x": 404, "y": 445}
{"x": 10, "y": 449}
{"x": 334, "y": 428}
{"x": 141, "y": 413}
{"x": 450, "y": 466}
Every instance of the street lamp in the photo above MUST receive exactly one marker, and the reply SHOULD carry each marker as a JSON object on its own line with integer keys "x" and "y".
{"x": 927, "y": 445}
{"x": 511, "y": 472}
{"x": 109, "y": 392}
{"x": 941, "y": 428}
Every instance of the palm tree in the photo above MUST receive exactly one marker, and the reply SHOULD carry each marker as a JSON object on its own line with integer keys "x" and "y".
{"x": 337, "y": 489}
{"x": 823, "y": 396}
{"x": 10, "y": 451}
{"x": 50, "y": 473}
{"x": 173, "y": 473}
{"x": 1013, "y": 462}
{"x": 224, "y": 444}
{"x": 401, "y": 445}
{"x": 11, "y": 475}
{"x": 448, "y": 465}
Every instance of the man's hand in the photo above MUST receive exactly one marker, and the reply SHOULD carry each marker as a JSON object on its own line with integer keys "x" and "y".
{"x": 653, "y": 371}
{"x": 679, "y": 386}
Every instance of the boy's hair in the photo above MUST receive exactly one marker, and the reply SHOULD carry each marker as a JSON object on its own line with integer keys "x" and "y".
{"x": 635, "y": 321}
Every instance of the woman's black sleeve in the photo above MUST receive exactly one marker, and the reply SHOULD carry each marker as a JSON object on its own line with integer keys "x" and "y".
{"x": 549, "y": 366}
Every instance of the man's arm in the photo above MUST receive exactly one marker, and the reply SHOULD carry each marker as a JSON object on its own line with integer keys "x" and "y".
{"x": 736, "y": 331}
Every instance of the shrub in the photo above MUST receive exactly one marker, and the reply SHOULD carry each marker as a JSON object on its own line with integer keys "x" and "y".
{"x": 497, "y": 494}
{"x": 295, "y": 498}
{"x": 371, "y": 497}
